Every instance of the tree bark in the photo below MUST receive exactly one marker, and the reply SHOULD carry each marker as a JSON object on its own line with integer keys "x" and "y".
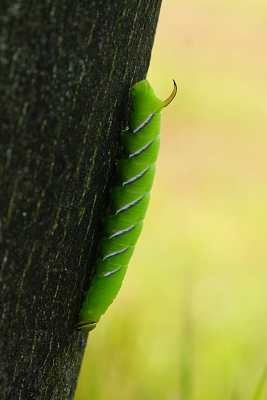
{"x": 66, "y": 70}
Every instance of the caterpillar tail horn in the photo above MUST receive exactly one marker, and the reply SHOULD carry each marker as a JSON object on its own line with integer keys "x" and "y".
{"x": 172, "y": 95}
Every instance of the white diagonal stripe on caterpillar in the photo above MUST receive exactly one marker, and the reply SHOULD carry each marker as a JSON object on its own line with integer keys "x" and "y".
{"x": 116, "y": 253}
{"x": 111, "y": 272}
{"x": 141, "y": 126}
{"x": 139, "y": 151}
{"x": 129, "y": 205}
{"x": 122, "y": 232}
{"x": 135, "y": 178}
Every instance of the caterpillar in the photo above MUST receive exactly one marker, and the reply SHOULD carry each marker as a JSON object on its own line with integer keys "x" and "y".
{"x": 128, "y": 202}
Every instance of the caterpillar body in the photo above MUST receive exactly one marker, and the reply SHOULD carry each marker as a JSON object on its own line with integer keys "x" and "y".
{"x": 129, "y": 201}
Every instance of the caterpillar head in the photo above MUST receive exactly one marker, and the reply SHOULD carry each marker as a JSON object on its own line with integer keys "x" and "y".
{"x": 86, "y": 326}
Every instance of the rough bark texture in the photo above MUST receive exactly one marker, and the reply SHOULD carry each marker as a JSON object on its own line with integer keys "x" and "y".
{"x": 66, "y": 68}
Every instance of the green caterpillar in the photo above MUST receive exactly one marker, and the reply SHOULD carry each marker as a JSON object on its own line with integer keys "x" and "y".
{"x": 129, "y": 202}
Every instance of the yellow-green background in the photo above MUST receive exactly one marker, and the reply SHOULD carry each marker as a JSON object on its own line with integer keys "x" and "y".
{"x": 190, "y": 321}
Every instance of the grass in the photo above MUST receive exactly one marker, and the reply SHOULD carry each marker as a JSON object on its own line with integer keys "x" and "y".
{"x": 190, "y": 320}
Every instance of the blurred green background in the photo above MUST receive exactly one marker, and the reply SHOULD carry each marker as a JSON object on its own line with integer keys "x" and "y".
{"x": 190, "y": 321}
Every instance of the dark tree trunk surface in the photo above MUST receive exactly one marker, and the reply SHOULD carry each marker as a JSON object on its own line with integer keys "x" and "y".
{"x": 66, "y": 68}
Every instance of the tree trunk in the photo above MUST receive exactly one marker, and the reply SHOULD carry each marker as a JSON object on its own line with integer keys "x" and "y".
{"x": 66, "y": 70}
